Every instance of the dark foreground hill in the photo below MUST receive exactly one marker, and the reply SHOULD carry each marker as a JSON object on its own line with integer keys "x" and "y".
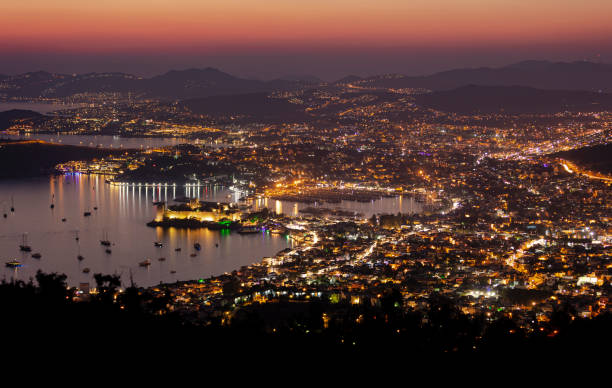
{"x": 11, "y": 117}
{"x": 597, "y": 158}
{"x": 33, "y": 158}
{"x": 45, "y": 317}
{"x": 475, "y": 99}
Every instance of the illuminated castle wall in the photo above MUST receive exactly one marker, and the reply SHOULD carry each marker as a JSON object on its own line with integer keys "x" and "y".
{"x": 223, "y": 211}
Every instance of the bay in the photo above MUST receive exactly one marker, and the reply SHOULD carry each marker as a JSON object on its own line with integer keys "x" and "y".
{"x": 122, "y": 214}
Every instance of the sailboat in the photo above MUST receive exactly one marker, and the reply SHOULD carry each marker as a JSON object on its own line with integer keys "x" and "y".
{"x": 12, "y": 205}
{"x": 52, "y": 204}
{"x": 79, "y": 257}
{"x": 105, "y": 241}
{"x": 13, "y": 264}
{"x": 24, "y": 247}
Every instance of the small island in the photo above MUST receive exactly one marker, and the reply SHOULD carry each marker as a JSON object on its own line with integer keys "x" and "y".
{"x": 211, "y": 215}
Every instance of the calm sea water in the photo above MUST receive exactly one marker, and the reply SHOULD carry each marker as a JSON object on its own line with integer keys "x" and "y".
{"x": 122, "y": 214}
{"x": 384, "y": 205}
{"x": 102, "y": 141}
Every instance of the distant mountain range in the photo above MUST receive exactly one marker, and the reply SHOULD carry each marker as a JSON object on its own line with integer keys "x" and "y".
{"x": 175, "y": 84}
{"x": 473, "y": 99}
{"x": 197, "y": 83}
{"x": 535, "y": 74}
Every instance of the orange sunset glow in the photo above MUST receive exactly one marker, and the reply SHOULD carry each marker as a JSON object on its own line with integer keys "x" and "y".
{"x": 241, "y": 27}
{"x": 112, "y": 25}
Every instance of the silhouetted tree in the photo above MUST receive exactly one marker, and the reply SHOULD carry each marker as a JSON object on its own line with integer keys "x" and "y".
{"x": 107, "y": 287}
{"x": 52, "y": 287}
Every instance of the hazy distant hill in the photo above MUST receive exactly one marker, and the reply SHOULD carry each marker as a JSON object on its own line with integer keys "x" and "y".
{"x": 95, "y": 83}
{"x": 199, "y": 83}
{"x": 306, "y": 78}
{"x": 175, "y": 84}
{"x": 10, "y": 117}
{"x": 45, "y": 84}
{"x": 254, "y": 105}
{"x": 514, "y": 99}
{"x": 348, "y": 79}
{"x": 536, "y": 74}
{"x": 193, "y": 83}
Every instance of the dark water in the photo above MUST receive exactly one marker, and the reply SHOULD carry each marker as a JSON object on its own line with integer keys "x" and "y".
{"x": 122, "y": 214}
{"x": 384, "y": 205}
{"x": 102, "y": 141}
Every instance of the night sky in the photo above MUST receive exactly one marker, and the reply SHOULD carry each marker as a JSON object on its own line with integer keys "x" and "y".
{"x": 270, "y": 38}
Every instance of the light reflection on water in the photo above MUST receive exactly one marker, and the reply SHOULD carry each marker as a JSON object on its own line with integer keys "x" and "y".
{"x": 122, "y": 214}
{"x": 102, "y": 141}
{"x": 384, "y": 205}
